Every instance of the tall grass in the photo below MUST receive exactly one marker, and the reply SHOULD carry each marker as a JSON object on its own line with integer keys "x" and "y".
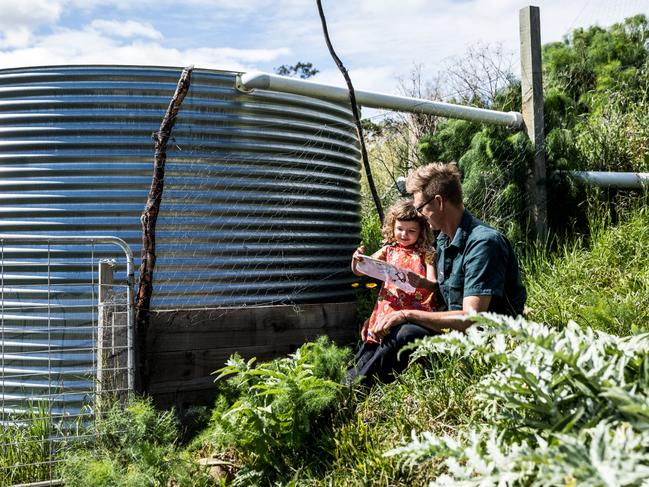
{"x": 378, "y": 420}
{"x": 31, "y": 446}
{"x": 600, "y": 282}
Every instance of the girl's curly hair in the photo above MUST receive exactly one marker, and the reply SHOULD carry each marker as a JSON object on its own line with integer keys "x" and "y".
{"x": 405, "y": 211}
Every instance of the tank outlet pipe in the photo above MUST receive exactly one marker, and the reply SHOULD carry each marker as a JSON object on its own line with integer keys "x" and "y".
{"x": 625, "y": 180}
{"x": 247, "y": 82}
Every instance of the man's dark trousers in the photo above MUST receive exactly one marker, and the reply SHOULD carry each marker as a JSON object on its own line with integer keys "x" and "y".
{"x": 380, "y": 361}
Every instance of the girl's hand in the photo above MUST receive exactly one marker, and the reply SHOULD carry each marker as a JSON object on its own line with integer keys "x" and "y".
{"x": 356, "y": 258}
{"x": 360, "y": 251}
{"x": 364, "y": 331}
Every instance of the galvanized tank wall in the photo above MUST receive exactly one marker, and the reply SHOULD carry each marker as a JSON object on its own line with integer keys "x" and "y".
{"x": 261, "y": 196}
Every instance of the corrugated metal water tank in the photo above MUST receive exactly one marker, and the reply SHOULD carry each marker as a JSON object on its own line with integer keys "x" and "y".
{"x": 261, "y": 191}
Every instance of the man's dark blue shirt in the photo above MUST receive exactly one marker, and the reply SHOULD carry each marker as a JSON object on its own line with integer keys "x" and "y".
{"x": 479, "y": 261}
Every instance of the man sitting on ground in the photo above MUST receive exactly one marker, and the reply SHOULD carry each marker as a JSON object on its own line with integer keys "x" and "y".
{"x": 477, "y": 271}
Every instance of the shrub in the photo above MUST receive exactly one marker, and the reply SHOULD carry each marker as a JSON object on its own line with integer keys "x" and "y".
{"x": 271, "y": 418}
{"x": 569, "y": 403}
{"x": 133, "y": 445}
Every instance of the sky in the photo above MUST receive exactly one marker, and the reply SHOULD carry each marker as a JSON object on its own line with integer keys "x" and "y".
{"x": 379, "y": 41}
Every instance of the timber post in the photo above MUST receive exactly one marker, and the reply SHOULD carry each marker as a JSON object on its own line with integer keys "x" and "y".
{"x": 532, "y": 100}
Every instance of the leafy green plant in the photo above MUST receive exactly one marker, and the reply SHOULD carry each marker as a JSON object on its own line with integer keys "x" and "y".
{"x": 560, "y": 404}
{"x": 548, "y": 379}
{"x": 276, "y": 407}
{"x": 133, "y": 445}
{"x": 607, "y": 454}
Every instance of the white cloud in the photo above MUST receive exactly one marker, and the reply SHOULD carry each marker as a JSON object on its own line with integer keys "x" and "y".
{"x": 130, "y": 28}
{"x": 92, "y": 46}
{"x": 28, "y": 13}
{"x": 15, "y": 38}
{"x": 368, "y": 78}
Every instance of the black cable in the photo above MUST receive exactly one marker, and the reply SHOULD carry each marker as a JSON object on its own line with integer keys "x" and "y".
{"x": 357, "y": 120}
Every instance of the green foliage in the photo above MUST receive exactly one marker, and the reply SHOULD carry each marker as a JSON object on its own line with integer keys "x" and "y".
{"x": 574, "y": 397}
{"x": 29, "y": 453}
{"x": 600, "y": 284}
{"x": 596, "y": 118}
{"x": 607, "y": 454}
{"x": 371, "y": 235}
{"x": 494, "y": 173}
{"x": 616, "y": 137}
{"x": 277, "y": 407}
{"x": 548, "y": 380}
{"x": 593, "y": 62}
{"x": 559, "y": 110}
{"x": 133, "y": 445}
{"x": 450, "y": 142}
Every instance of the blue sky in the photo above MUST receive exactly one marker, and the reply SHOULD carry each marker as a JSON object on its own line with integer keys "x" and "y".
{"x": 378, "y": 40}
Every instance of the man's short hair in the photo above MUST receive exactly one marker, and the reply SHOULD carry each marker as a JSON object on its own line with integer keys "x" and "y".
{"x": 437, "y": 178}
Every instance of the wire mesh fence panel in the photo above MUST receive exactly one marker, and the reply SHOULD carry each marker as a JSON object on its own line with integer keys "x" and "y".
{"x": 261, "y": 195}
{"x": 65, "y": 345}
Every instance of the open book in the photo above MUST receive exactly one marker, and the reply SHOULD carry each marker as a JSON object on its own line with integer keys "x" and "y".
{"x": 404, "y": 279}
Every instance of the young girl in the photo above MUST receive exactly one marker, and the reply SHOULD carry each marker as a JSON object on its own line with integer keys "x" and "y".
{"x": 409, "y": 240}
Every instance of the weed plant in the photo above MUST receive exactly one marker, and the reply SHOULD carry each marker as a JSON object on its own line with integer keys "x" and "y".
{"x": 29, "y": 451}
{"x": 557, "y": 405}
{"x": 133, "y": 445}
{"x": 270, "y": 412}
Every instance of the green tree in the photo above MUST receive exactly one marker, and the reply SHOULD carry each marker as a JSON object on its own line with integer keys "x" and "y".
{"x": 300, "y": 69}
{"x": 596, "y": 118}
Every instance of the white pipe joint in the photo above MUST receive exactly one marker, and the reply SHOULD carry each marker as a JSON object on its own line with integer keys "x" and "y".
{"x": 627, "y": 180}
{"x": 247, "y": 82}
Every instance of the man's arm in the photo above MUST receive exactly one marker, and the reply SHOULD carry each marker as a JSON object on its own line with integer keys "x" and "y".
{"x": 434, "y": 320}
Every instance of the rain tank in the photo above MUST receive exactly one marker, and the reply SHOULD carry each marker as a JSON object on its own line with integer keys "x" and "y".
{"x": 260, "y": 203}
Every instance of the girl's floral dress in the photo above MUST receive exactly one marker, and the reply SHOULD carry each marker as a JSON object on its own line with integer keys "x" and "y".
{"x": 391, "y": 298}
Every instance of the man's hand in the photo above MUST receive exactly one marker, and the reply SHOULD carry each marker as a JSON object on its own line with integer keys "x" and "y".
{"x": 382, "y": 327}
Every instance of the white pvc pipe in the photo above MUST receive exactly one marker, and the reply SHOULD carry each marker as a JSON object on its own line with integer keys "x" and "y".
{"x": 263, "y": 81}
{"x": 627, "y": 180}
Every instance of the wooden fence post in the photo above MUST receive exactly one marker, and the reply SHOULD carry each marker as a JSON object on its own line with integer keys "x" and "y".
{"x": 532, "y": 91}
{"x": 104, "y": 324}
